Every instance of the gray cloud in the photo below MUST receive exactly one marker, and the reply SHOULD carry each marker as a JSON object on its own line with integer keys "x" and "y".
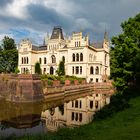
{"x": 48, "y": 16}
{"x": 92, "y": 17}
{"x": 3, "y": 3}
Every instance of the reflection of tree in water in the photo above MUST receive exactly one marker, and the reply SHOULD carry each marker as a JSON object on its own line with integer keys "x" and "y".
{"x": 61, "y": 109}
{"x": 3, "y": 126}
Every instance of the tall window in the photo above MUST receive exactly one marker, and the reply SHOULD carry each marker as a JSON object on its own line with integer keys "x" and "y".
{"x": 91, "y": 104}
{"x": 27, "y": 60}
{"x": 105, "y": 59}
{"x": 45, "y": 60}
{"x": 72, "y": 70}
{"x": 77, "y": 43}
{"x": 80, "y": 104}
{"x": 80, "y": 117}
{"x": 22, "y": 61}
{"x": 80, "y": 69}
{"x": 72, "y": 116}
{"x": 76, "y": 103}
{"x": 96, "y": 104}
{"x": 63, "y": 59}
{"x": 73, "y": 57}
{"x": 91, "y": 70}
{"x": 51, "y": 71}
{"x": 81, "y": 57}
{"x": 77, "y": 70}
{"x": 72, "y": 103}
{"x": 77, "y": 57}
{"x": 53, "y": 59}
{"x": 97, "y": 70}
{"x": 40, "y": 60}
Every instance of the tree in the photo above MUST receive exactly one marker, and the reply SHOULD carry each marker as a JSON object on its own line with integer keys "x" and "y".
{"x": 37, "y": 68}
{"x": 8, "y": 43}
{"x": 125, "y": 54}
{"x": 8, "y": 55}
{"x": 61, "y": 68}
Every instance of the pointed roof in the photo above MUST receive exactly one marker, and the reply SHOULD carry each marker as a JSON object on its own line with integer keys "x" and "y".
{"x": 106, "y": 36}
{"x": 57, "y": 33}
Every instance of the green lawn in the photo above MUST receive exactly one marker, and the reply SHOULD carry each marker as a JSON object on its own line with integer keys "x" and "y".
{"x": 124, "y": 125}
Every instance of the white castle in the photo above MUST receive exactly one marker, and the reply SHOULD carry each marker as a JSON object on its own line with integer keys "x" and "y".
{"x": 82, "y": 59}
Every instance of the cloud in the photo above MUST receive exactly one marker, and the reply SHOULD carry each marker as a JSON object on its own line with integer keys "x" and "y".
{"x": 48, "y": 16}
{"x": 3, "y": 3}
{"x": 33, "y": 18}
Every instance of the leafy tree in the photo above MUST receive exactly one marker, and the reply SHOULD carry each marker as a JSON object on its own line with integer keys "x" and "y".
{"x": 8, "y": 55}
{"x": 61, "y": 68}
{"x": 125, "y": 54}
{"x": 8, "y": 43}
{"x": 37, "y": 68}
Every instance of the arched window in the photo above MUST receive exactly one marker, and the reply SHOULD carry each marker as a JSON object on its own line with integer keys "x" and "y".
{"x": 77, "y": 57}
{"x": 40, "y": 60}
{"x": 53, "y": 59}
{"x": 63, "y": 59}
{"x": 73, "y": 57}
{"x": 45, "y": 60}
{"x": 51, "y": 71}
{"x": 97, "y": 70}
{"x": 91, "y": 70}
{"x": 27, "y": 60}
{"x": 81, "y": 57}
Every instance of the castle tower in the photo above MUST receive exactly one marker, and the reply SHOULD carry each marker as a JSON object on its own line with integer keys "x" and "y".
{"x": 57, "y": 33}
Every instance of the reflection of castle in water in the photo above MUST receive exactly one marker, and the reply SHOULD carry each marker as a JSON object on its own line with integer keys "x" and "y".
{"x": 73, "y": 113}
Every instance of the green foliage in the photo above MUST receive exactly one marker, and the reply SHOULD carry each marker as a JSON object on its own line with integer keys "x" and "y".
{"x": 8, "y": 55}
{"x": 125, "y": 54}
{"x": 17, "y": 70}
{"x": 8, "y": 43}
{"x": 118, "y": 102}
{"x": 61, "y": 78}
{"x": 50, "y": 82}
{"x": 61, "y": 68}
{"x": 8, "y": 60}
{"x": 37, "y": 68}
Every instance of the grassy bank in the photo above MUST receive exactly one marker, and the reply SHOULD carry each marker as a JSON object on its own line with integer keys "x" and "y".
{"x": 124, "y": 125}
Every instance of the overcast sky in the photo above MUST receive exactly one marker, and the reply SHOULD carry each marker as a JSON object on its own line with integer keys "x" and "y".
{"x": 33, "y": 19}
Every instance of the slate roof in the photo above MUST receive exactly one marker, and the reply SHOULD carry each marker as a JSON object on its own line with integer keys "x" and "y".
{"x": 57, "y": 31}
{"x": 98, "y": 45}
{"x": 39, "y": 48}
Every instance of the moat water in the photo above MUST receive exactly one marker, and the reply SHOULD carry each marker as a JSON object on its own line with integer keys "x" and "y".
{"x": 41, "y": 117}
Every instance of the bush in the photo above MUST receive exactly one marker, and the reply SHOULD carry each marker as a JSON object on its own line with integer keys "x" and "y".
{"x": 37, "y": 68}
{"x": 50, "y": 82}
